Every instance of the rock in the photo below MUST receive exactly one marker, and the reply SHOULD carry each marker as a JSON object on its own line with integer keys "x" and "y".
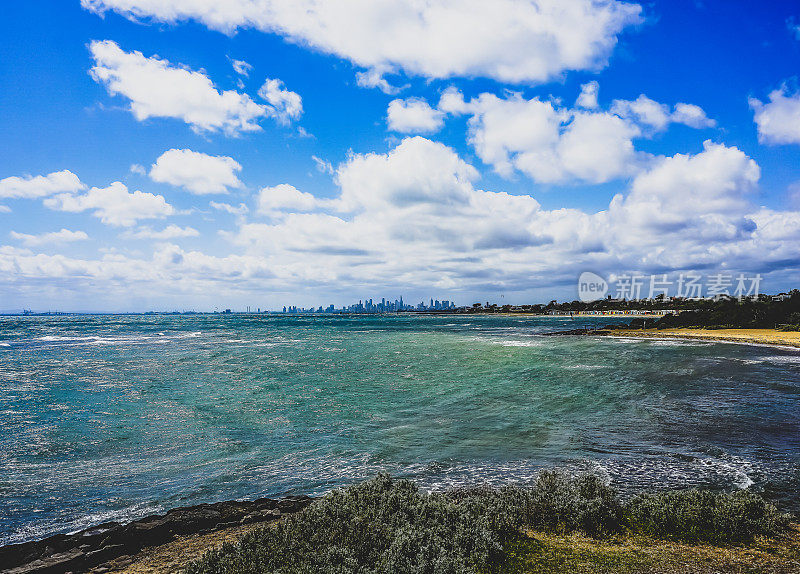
{"x": 89, "y": 548}
{"x": 53, "y": 564}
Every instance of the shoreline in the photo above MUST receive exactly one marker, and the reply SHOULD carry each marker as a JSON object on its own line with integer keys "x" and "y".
{"x": 164, "y": 544}
{"x": 764, "y": 337}
{"x": 89, "y": 549}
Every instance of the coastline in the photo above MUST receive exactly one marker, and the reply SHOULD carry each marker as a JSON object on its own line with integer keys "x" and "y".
{"x": 89, "y": 549}
{"x": 767, "y": 337}
{"x": 164, "y": 544}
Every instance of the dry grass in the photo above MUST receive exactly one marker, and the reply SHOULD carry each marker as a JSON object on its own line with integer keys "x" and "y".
{"x": 578, "y": 554}
{"x": 542, "y": 553}
{"x": 173, "y": 556}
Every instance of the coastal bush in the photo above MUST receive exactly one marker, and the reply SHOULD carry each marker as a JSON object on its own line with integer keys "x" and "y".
{"x": 379, "y": 526}
{"x": 705, "y": 516}
{"x": 387, "y": 526}
{"x": 564, "y": 503}
{"x": 745, "y": 314}
{"x": 792, "y": 323}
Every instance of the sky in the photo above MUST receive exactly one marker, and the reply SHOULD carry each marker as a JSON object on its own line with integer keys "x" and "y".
{"x": 194, "y": 154}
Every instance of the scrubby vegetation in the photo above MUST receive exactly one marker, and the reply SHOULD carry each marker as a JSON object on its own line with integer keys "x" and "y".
{"x": 705, "y": 516}
{"x": 390, "y": 526}
{"x": 745, "y": 314}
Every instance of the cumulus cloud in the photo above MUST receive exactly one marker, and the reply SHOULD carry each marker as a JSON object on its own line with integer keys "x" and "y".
{"x": 415, "y": 218}
{"x": 778, "y": 120}
{"x": 548, "y": 143}
{"x": 588, "y": 97}
{"x": 555, "y": 144}
{"x": 285, "y": 197}
{"x": 197, "y": 172}
{"x": 413, "y": 115}
{"x": 53, "y": 237}
{"x": 696, "y": 197}
{"x": 114, "y": 205}
{"x": 157, "y": 88}
{"x": 652, "y": 114}
{"x": 284, "y": 105}
{"x": 241, "y": 209}
{"x": 171, "y": 231}
{"x": 508, "y": 40}
{"x": 40, "y": 186}
{"x": 692, "y": 116}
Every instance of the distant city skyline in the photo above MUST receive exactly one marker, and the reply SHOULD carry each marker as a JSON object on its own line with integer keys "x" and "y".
{"x": 374, "y": 306}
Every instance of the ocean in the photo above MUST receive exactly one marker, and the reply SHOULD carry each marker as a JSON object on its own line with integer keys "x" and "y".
{"x": 117, "y": 417}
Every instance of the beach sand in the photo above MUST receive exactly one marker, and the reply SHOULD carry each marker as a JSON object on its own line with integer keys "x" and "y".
{"x": 749, "y": 336}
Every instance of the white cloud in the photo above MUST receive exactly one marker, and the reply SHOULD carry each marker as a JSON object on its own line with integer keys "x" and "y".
{"x": 698, "y": 196}
{"x": 644, "y": 111}
{"x": 40, "y": 186}
{"x": 508, "y": 40}
{"x": 548, "y": 143}
{"x": 414, "y": 216}
{"x": 649, "y": 113}
{"x": 5, "y": 209}
{"x": 57, "y": 237}
{"x": 138, "y": 169}
{"x": 197, "y": 172}
{"x": 593, "y": 147}
{"x": 114, "y": 205}
{"x": 241, "y": 209}
{"x": 413, "y": 115}
{"x": 692, "y": 115}
{"x": 555, "y": 144}
{"x": 285, "y": 197}
{"x": 285, "y": 105}
{"x": 373, "y": 78}
{"x": 588, "y": 96}
{"x": 172, "y": 231}
{"x": 157, "y": 88}
{"x": 405, "y": 176}
{"x": 241, "y": 67}
{"x": 323, "y": 165}
{"x": 413, "y": 219}
{"x": 779, "y": 120}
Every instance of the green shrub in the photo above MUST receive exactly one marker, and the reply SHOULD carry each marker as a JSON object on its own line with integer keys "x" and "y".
{"x": 792, "y": 323}
{"x": 705, "y": 516}
{"x": 379, "y": 526}
{"x": 586, "y": 502}
{"x": 387, "y": 526}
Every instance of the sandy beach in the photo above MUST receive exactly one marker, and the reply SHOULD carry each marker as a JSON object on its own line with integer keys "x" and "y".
{"x": 748, "y": 336}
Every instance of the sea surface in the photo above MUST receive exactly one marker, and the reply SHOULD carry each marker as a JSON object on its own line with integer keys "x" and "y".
{"x": 116, "y": 417}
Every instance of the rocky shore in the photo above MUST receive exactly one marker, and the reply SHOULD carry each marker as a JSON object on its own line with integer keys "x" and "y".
{"x": 91, "y": 548}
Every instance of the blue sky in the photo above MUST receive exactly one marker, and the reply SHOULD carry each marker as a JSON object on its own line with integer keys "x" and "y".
{"x": 402, "y": 148}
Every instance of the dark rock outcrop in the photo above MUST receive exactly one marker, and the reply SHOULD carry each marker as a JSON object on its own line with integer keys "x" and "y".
{"x": 88, "y": 548}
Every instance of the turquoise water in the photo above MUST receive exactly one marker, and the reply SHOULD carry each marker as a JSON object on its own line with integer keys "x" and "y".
{"x": 116, "y": 417}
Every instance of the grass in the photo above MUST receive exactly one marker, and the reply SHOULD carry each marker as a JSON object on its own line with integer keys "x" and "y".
{"x": 562, "y": 523}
